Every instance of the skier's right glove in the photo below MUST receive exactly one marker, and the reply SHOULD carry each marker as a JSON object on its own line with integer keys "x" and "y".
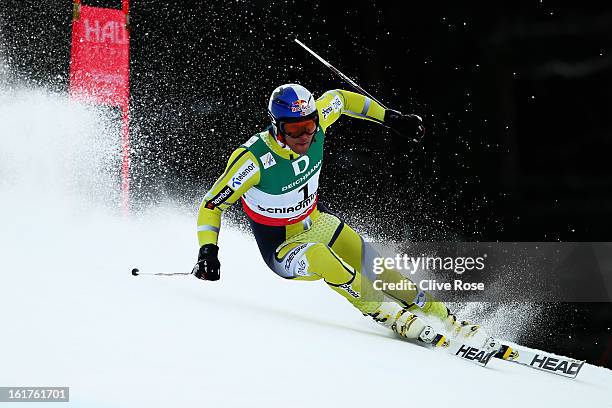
{"x": 208, "y": 265}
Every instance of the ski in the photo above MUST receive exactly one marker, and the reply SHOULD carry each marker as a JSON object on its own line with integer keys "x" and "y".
{"x": 563, "y": 366}
{"x": 477, "y": 355}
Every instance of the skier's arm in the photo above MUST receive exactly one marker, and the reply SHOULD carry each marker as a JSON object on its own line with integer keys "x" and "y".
{"x": 334, "y": 103}
{"x": 241, "y": 173}
{"x": 337, "y": 102}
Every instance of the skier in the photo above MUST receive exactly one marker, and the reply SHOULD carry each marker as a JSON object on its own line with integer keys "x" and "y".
{"x": 276, "y": 173}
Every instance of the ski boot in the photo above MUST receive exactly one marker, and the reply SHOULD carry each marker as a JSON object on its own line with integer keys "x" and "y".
{"x": 465, "y": 331}
{"x": 406, "y": 324}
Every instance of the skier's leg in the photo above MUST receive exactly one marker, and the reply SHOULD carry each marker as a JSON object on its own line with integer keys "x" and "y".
{"x": 351, "y": 247}
{"x": 314, "y": 260}
{"x": 284, "y": 249}
{"x": 311, "y": 261}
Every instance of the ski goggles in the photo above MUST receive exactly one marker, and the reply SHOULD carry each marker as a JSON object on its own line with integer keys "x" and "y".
{"x": 297, "y": 129}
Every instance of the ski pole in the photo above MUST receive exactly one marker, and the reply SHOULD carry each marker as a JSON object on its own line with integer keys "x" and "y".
{"x": 340, "y": 74}
{"x": 136, "y": 272}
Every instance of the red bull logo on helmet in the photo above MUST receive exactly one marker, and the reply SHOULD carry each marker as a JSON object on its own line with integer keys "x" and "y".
{"x": 299, "y": 106}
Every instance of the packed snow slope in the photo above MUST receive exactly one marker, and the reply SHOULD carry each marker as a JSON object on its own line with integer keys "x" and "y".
{"x": 72, "y": 314}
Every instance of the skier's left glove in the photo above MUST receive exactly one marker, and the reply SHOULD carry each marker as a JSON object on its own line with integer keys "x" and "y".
{"x": 208, "y": 266}
{"x": 409, "y": 126}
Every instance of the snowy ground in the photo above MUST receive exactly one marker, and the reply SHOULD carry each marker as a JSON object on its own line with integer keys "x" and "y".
{"x": 72, "y": 315}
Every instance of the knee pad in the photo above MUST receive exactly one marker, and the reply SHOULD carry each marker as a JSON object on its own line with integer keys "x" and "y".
{"x": 292, "y": 262}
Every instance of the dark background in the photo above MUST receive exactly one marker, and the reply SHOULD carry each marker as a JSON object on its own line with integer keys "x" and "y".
{"x": 516, "y": 99}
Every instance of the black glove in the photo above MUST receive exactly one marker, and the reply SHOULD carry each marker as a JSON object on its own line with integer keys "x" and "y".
{"x": 208, "y": 265}
{"x": 409, "y": 126}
